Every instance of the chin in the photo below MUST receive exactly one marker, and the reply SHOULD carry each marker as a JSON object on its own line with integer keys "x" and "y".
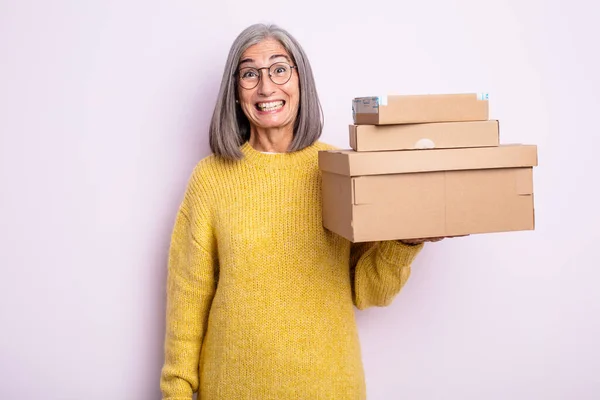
{"x": 271, "y": 124}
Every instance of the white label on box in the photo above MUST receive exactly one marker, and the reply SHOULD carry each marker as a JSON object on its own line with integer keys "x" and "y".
{"x": 368, "y": 105}
{"x": 425, "y": 144}
{"x": 365, "y": 105}
{"x": 483, "y": 96}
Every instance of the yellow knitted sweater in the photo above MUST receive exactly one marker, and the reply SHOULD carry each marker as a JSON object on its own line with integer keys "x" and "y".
{"x": 259, "y": 295}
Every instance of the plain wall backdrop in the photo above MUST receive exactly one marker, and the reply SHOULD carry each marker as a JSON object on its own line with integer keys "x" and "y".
{"x": 104, "y": 110}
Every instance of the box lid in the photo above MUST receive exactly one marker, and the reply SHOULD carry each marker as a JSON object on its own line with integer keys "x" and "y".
{"x": 351, "y": 163}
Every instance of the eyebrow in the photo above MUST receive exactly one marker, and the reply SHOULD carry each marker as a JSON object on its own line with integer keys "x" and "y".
{"x": 250, "y": 60}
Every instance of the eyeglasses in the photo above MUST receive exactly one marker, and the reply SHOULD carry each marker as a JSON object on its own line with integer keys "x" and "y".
{"x": 279, "y": 73}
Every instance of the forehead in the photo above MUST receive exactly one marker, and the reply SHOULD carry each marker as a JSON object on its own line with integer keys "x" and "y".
{"x": 263, "y": 52}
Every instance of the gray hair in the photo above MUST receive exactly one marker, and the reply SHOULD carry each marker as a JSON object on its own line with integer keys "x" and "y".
{"x": 229, "y": 127}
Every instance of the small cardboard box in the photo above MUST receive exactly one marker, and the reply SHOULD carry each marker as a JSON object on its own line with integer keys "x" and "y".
{"x": 410, "y": 109}
{"x": 441, "y": 135}
{"x": 372, "y": 196}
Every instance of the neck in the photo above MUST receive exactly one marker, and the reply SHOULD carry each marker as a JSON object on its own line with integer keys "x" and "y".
{"x": 271, "y": 140}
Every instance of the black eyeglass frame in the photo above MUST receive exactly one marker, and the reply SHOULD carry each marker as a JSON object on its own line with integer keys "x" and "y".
{"x": 237, "y": 74}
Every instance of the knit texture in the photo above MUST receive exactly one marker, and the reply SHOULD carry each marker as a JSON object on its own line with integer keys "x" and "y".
{"x": 260, "y": 297}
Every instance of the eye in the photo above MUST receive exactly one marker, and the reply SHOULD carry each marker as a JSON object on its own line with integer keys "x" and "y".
{"x": 280, "y": 70}
{"x": 249, "y": 74}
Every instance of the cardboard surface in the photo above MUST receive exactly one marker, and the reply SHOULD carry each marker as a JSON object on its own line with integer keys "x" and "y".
{"x": 416, "y": 205}
{"x": 407, "y": 109}
{"x": 422, "y": 136}
{"x": 351, "y": 163}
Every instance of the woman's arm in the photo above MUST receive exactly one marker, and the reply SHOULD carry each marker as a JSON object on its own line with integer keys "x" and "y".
{"x": 191, "y": 283}
{"x": 379, "y": 270}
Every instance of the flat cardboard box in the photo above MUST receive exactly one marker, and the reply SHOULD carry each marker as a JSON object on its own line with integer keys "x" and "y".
{"x": 352, "y": 163}
{"x": 424, "y": 108}
{"x": 443, "y": 135}
{"x": 428, "y": 193}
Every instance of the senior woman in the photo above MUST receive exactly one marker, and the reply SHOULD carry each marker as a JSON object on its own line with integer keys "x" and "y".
{"x": 260, "y": 296}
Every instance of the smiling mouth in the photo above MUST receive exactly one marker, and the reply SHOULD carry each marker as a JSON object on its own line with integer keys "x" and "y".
{"x": 270, "y": 106}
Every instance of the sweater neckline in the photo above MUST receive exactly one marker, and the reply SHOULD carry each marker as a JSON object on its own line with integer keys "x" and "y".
{"x": 277, "y": 160}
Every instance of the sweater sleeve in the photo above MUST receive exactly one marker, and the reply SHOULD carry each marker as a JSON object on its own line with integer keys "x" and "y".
{"x": 379, "y": 270}
{"x": 191, "y": 282}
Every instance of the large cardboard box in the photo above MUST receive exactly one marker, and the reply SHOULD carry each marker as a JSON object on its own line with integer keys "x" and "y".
{"x": 424, "y": 136}
{"x": 410, "y": 109}
{"x": 372, "y": 196}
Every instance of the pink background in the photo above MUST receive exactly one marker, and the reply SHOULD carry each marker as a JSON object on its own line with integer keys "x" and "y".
{"x": 104, "y": 108}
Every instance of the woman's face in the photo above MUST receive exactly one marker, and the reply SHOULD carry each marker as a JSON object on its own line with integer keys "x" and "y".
{"x": 268, "y": 105}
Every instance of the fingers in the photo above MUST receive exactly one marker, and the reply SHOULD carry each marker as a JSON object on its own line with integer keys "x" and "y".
{"x": 430, "y": 239}
{"x": 422, "y": 240}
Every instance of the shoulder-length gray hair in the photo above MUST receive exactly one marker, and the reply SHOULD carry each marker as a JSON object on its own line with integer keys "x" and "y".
{"x": 229, "y": 127}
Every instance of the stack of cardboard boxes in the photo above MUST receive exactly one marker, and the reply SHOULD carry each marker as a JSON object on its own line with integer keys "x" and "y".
{"x": 426, "y": 166}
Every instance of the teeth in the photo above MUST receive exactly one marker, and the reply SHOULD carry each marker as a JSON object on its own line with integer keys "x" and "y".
{"x": 270, "y": 106}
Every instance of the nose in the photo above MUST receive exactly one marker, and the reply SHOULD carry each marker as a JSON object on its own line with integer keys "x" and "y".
{"x": 266, "y": 87}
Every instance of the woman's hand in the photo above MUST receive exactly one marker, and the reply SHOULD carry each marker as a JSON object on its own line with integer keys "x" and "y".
{"x": 423, "y": 240}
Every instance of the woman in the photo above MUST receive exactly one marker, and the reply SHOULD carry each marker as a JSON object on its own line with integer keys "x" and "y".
{"x": 260, "y": 295}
